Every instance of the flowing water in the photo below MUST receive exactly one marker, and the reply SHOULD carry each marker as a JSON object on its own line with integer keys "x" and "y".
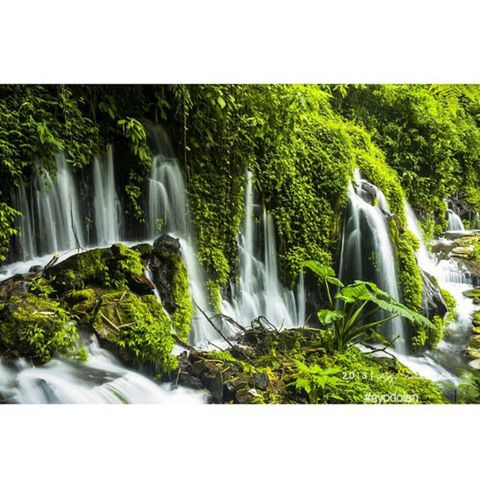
{"x": 454, "y": 222}
{"x": 108, "y": 209}
{"x": 101, "y": 379}
{"x": 367, "y": 252}
{"x": 447, "y": 361}
{"x": 258, "y": 291}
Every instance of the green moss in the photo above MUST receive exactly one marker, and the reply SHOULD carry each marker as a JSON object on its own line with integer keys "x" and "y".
{"x": 83, "y": 304}
{"x": 111, "y": 268}
{"x": 37, "y": 328}
{"x": 127, "y": 260}
{"x": 450, "y": 302}
{"x": 183, "y": 312}
{"x": 409, "y": 272}
{"x": 138, "y": 328}
{"x": 365, "y": 377}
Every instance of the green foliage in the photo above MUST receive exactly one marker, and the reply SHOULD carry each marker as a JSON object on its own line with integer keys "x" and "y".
{"x": 127, "y": 260}
{"x": 37, "y": 328}
{"x": 409, "y": 273}
{"x": 40, "y": 287}
{"x": 353, "y": 321}
{"x": 369, "y": 380}
{"x": 433, "y": 145}
{"x": 7, "y": 230}
{"x": 183, "y": 312}
{"x": 138, "y": 327}
{"x": 317, "y": 382}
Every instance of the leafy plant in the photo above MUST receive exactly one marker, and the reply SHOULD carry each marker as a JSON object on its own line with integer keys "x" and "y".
{"x": 315, "y": 381}
{"x": 40, "y": 287}
{"x": 357, "y": 310}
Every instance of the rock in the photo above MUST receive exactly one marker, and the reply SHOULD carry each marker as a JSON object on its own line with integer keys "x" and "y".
{"x": 474, "y": 364}
{"x": 245, "y": 396}
{"x": 463, "y": 252}
{"x": 166, "y": 243}
{"x": 432, "y": 300}
{"x": 35, "y": 268}
{"x": 476, "y": 329}
{"x": 260, "y": 380}
{"x": 144, "y": 249}
{"x": 140, "y": 284}
{"x": 474, "y": 294}
{"x": 473, "y": 349}
{"x": 36, "y": 328}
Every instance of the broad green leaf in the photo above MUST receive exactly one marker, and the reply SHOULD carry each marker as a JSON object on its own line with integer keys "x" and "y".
{"x": 328, "y": 316}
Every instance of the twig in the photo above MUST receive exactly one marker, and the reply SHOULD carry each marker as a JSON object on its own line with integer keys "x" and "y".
{"x": 221, "y": 334}
{"x": 113, "y": 325}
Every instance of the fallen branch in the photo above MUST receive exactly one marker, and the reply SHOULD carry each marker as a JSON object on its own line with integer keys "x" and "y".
{"x": 238, "y": 350}
{"x": 113, "y": 325}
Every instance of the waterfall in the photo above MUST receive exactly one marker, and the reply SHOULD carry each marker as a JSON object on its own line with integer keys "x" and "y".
{"x": 443, "y": 363}
{"x": 108, "y": 210}
{"x": 167, "y": 212}
{"x": 59, "y": 223}
{"x": 25, "y": 238}
{"x": 366, "y": 240}
{"x": 454, "y": 222}
{"x": 102, "y": 379}
{"x": 259, "y": 291}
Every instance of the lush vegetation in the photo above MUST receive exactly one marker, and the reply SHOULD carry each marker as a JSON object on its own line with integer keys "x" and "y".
{"x": 302, "y": 144}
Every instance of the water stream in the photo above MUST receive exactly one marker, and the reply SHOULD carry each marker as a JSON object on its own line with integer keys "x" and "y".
{"x": 367, "y": 252}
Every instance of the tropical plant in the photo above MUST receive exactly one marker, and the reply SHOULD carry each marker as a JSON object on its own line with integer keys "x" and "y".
{"x": 315, "y": 381}
{"x": 360, "y": 308}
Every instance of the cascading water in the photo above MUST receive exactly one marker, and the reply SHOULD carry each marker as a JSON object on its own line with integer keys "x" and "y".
{"x": 58, "y": 218}
{"x": 454, "y": 222}
{"x": 25, "y": 239}
{"x": 259, "y": 291}
{"x": 168, "y": 212}
{"x": 366, "y": 240}
{"x": 99, "y": 380}
{"x": 443, "y": 363}
{"x": 108, "y": 210}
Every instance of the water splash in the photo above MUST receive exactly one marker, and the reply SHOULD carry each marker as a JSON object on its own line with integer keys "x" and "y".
{"x": 102, "y": 379}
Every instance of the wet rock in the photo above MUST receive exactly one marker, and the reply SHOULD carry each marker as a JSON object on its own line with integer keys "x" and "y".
{"x": 473, "y": 349}
{"x": 35, "y": 268}
{"x": 140, "y": 284}
{"x": 260, "y": 380}
{"x": 245, "y": 396}
{"x": 229, "y": 390}
{"x": 432, "y": 301}
{"x": 462, "y": 252}
{"x": 166, "y": 243}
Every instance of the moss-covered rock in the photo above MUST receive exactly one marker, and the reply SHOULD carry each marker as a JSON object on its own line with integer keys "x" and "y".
{"x": 474, "y": 294}
{"x": 171, "y": 280}
{"x": 37, "y": 328}
{"x": 113, "y": 267}
{"x": 136, "y": 328}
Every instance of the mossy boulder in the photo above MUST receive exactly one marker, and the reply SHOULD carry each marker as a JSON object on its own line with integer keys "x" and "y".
{"x": 137, "y": 329}
{"x": 474, "y": 294}
{"x": 171, "y": 280}
{"x": 37, "y": 328}
{"x": 112, "y": 267}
